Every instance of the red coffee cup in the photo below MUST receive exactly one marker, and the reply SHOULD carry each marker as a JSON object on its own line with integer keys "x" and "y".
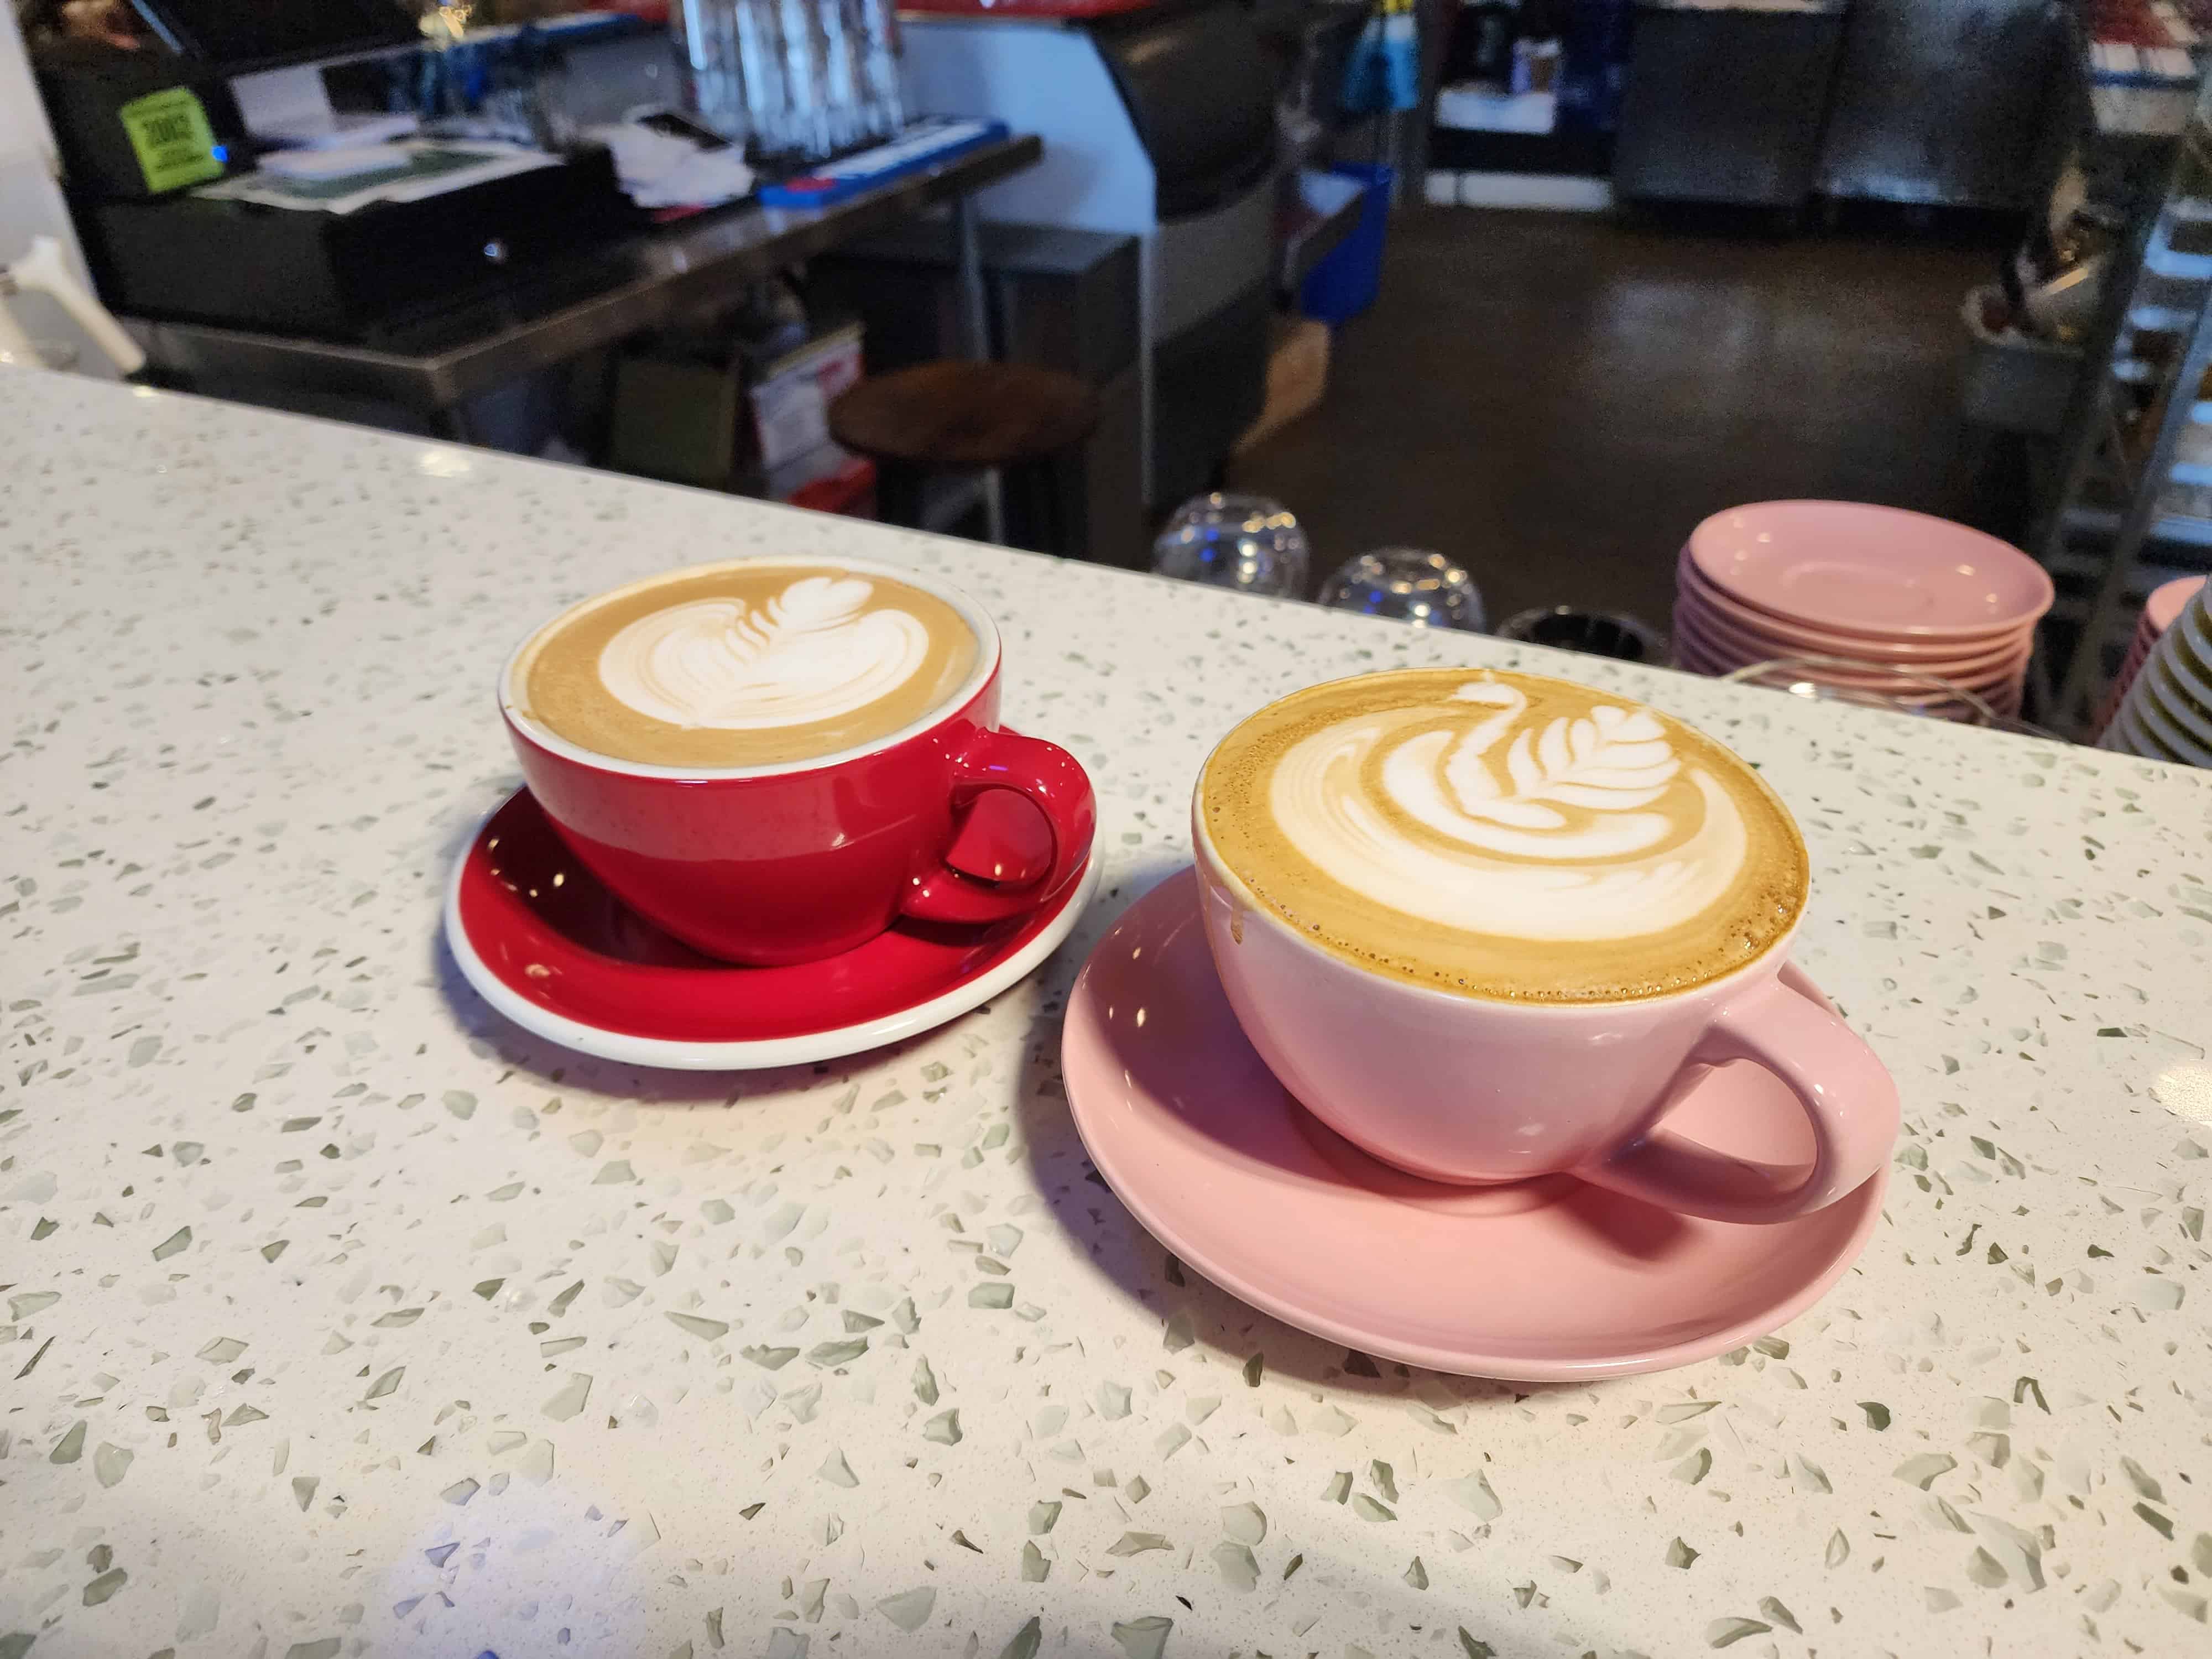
{"x": 777, "y": 864}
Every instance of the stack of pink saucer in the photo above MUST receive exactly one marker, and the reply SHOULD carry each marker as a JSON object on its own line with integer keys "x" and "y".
{"x": 2160, "y": 612}
{"x": 2166, "y": 714}
{"x": 1881, "y": 604}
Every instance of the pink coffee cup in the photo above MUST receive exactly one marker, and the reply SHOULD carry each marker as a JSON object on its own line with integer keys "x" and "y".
{"x": 1472, "y": 1090}
{"x": 794, "y": 862}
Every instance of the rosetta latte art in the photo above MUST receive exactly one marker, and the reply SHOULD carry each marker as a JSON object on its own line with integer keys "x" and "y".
{"x": 1580, "y": 829}
{"x": 811, "y": 653}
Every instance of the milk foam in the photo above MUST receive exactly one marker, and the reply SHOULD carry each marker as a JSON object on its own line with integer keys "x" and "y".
{"x": 1580, "y": 829}
{"x": 1504, "y": 835}
{"x": 808, "y": 654}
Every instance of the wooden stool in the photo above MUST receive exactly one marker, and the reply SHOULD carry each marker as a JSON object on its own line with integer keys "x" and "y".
{"x": 961, "y": 416}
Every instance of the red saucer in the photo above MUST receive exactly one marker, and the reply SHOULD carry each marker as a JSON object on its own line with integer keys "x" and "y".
{"x": 547, "y": 945}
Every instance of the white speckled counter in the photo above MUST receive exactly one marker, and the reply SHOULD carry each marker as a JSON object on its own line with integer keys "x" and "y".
{"x": 346, "y": 1318}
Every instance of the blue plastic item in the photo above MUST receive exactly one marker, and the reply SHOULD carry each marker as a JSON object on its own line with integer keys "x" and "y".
{"x": 1346, "y": 284}
{"x": 924, "y": 144}
{"x": 1383, "y": 72}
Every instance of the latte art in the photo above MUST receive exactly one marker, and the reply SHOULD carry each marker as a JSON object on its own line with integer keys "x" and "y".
{"x": 746, "y": 664}
{"x": 1504, "y": 836}
{"x": 808, "y": 654}
{"x": 1577, "y": 829}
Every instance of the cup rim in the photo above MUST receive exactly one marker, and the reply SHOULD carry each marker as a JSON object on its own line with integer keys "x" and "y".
{"x": 987, "y": 655}
{"x": 1211, "y": 862}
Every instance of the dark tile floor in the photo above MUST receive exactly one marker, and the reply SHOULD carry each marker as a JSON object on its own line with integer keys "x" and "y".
{"x": 1554, "y": 399}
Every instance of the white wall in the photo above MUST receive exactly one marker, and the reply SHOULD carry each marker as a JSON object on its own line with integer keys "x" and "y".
{"x": 30, "y": 202}
{"x": 1037, "y": 77}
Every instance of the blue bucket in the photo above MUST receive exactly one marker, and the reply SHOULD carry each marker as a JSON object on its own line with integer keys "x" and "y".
{"x": 1345, "y": 283}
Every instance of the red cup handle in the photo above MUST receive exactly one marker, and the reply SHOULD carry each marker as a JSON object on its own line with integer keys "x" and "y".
{"x": 1848, "y": 1095}
{"x": 1050, "y": 777}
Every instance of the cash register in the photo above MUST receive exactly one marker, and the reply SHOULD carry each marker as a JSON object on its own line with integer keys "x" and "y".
{"x": 162, "y": 151}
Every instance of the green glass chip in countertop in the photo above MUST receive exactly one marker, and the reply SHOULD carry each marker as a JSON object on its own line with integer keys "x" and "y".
{"x": 169, "y": 130}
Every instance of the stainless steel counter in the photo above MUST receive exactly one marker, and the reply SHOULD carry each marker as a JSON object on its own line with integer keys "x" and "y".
{"x": 1944, "y": 102}
{"x": 648, "y": 282}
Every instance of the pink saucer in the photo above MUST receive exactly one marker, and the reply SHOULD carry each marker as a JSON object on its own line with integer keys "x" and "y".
{"x": 2167, "y": 601}
{"x": 1908, "y": 689}
{"x": 542, "y": 941}
{"x": 2004, "y": 701}
{"x": 1693, "y": 591}
{"x": 1857, "y": 568}
{"x": 1720, "y": 642}
{"x": 1547, "y": 1280}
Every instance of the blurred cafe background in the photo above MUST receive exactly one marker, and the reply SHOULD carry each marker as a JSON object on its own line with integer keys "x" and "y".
{"x": 1461, "y": 312}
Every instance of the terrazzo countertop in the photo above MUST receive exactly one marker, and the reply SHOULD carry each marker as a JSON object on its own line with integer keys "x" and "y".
{"x": 344, "y": 1317}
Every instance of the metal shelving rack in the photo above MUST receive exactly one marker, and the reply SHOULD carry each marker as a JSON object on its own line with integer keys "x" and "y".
{"x": 2135, "y": 505}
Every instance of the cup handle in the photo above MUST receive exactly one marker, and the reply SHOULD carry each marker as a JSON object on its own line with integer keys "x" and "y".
{"x": 1051, "y": 778}
{"x": 1849, "y": 1096}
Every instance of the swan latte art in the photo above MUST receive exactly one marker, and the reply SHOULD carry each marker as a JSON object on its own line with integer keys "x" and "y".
{"x": 748, "y": 664}
{"x": 1504, "y": 836}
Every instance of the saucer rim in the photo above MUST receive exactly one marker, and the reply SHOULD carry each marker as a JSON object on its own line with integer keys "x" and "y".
{"x": 1467, "y": 1361}
{"x": 2018, "y": 566}
{"x": 753, "y": 1054}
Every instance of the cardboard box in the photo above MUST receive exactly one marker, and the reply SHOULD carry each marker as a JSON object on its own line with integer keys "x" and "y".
{"x": 1298, "y": 375}
{"x": 791, "y": 396}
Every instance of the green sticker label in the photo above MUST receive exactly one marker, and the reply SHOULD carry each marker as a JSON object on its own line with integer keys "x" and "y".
{"x": 170, "y": 132}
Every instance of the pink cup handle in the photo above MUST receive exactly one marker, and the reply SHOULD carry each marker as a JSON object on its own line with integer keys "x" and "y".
{"x": 1848, "y": 1097}
{"x": 1050, "y": 777}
